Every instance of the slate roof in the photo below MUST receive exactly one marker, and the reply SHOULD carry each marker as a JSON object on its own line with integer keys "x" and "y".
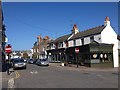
{"x": 88, "y": 32}
{"x": 62, "y": 38}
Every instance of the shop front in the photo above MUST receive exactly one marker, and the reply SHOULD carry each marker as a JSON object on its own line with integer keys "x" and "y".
{"x": 56, "y": 55}
{"x": 91, "y": 55}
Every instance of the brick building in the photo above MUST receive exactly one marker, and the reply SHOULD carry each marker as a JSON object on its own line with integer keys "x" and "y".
{"x": 40, "y": 47}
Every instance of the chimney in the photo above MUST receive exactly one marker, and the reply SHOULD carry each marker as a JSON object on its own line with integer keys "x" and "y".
{"x": 75, "y": 29}
{"x": 39, "y": 39}
{"x": 107, "y": 21}
{"x": 46, "y": 37}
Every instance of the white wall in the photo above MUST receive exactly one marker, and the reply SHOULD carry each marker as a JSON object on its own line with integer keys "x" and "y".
{"x": 64, "y": 45}
{"x": 118, "y": 44}
{"x": 97, "y": 38}
{"x": 86, "y": 40}
{"x": 70, "y": 43}
{"x": 109, "y": 36}
{"x": 78, "y": 42}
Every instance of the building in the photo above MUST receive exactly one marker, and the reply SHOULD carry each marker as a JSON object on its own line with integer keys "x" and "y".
{"x": 95, "y": 45}
{"x": 40, "y": 47}
{"x": 2, "y": 37}
{"x": 119, "y": 46}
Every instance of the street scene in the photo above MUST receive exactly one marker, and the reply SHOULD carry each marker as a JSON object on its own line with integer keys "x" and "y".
{"x": 59, "y": 45}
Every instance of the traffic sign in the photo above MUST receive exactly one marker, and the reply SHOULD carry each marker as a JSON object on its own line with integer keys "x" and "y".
{"x": 77, "y": 50}
{"x": 8, "y": 48}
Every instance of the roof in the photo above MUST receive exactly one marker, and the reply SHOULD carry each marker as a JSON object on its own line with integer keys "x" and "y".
{"x": 88, "y": 32}
{"x": 51, "y": 41}
{"x": 62, "y": 38}
{"x": 118, "y": 37}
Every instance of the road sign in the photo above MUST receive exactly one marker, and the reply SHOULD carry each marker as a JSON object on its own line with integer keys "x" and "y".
{"x": 8, "y": 48}
{"x": 77, "y": 50}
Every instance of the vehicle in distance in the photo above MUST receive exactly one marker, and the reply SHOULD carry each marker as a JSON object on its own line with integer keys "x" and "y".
{"x": 30, "y": 61}
{"x": 19, "y": 63}
{"x": 42, "y": 62}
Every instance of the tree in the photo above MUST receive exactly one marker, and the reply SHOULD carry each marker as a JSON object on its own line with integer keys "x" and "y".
{"x": 25, "y": 55}
{"x": 34, "y": 56}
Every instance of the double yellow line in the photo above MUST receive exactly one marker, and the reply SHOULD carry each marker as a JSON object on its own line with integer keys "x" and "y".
{"x": 17, "y": 75}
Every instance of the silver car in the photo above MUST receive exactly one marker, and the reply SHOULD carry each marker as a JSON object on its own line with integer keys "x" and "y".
{"x": 19, "y": 63}
{"x": 44, "y": 62}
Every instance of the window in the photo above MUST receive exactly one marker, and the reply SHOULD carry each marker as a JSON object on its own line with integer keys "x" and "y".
{"x": 82, "y": 41}
{"x": 60, "y": 45}
{"x": 94, "y": 56}
{"x": 43, "y": 48}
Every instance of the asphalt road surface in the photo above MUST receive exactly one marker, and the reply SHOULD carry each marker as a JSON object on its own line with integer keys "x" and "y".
{"x": 58, "y": 77}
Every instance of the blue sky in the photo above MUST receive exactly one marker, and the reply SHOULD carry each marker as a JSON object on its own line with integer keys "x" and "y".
{"x": 25, "y": 21}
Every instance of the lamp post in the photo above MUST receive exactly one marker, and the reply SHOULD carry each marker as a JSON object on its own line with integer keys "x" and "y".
{"x": 77, "y": 51}
{"x": 8, "y": 50}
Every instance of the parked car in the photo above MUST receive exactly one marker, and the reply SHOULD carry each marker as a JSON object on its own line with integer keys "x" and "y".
{"x": 35, "y": 60}
{"x": 38, "y": 62}
{"x": 43, "y": 62}
{"x": 19, "y": 63}
{"x": 30, "y": 61}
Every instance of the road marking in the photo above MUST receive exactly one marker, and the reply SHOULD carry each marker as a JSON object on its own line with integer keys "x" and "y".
{"x": 33, "y": 72}
{"x": 17, "y": 75}
{"x": 11, "y": 83}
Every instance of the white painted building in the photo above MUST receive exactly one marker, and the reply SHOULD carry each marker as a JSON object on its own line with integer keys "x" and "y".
{"x": 102, "y": 34}
{"x": 106, "y": 35}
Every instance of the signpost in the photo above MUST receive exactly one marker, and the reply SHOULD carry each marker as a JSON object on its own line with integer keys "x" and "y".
{"x": 8, "y": 50}
{"x": 77, "y": 51}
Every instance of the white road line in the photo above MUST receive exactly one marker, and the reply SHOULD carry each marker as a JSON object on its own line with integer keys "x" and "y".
{"x": 33, "y": 72}
{"x": 11, "y": 83}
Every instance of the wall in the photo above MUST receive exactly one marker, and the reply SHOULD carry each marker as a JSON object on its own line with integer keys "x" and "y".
{"x": 78, "y": 42}
{"x": 109, "y": 36}
{"x": 70, "y": 43}
{"x": 97, "y": 38}
{"x": 86, "y": 40}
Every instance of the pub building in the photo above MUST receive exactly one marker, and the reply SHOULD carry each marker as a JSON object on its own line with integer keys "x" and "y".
{"x": 98, "y": 47}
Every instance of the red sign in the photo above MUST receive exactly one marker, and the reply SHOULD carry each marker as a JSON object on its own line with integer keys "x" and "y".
{"x": 77, "y": 50}
{"x": 8, "y": 48}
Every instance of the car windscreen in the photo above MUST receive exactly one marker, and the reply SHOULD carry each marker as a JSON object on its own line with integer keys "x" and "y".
{"x": 19, "y": 60}
{"x": 43, "y": 59}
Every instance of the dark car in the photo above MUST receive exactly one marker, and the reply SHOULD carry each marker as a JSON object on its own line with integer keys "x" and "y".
{"x": 19, "y": 63}
{"x": 38, "y": 62}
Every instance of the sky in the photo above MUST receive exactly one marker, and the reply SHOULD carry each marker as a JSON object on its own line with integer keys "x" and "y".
{"x": 26, "y": 20}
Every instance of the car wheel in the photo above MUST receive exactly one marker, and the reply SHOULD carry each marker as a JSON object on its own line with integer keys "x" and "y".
{"x": 14, "y": 68}
{"x": 25, "y": 67}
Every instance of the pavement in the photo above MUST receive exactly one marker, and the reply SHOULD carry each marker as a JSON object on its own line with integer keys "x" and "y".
{"x": 7, "y": 80}
{"x": 83, "y": 68}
